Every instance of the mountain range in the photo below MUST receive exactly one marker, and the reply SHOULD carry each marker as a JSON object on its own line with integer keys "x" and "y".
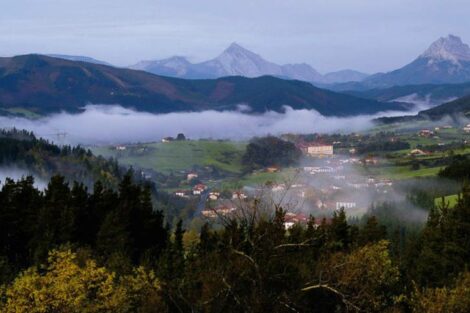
{"x": 238, "y": 61}
{"x": 43, "y": 84}
{"x": 446, "y": 61}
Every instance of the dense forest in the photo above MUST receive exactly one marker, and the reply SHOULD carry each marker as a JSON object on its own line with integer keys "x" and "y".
{"x": 22, "y": 150}
{"x": 66, "y": 249}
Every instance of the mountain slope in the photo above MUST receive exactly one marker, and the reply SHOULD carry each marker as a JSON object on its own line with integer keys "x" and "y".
{"x": 446, "y": 61}
{"x": 238, "y": 61}
{"x": 78, "y": 58}
{"x": 43, "y": 84}
{"x": 429, "y": 93}
{"x": 455, "y": 110}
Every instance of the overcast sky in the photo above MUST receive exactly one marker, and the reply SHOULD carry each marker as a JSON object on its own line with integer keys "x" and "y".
{"x": 367, "y": 35}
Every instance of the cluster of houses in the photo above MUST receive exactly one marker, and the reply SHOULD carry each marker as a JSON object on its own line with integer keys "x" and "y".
{"x": 197, "y": 190}
{"x": 338, "y": 188}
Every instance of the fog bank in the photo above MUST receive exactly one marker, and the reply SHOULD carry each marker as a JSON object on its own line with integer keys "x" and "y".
{"x": 105, "y": 124}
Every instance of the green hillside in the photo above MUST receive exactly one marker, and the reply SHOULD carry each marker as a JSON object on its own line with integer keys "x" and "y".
{"x": 179, "y": 155}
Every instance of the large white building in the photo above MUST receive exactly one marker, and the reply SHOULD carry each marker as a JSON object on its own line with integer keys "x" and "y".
{"x": 320, "y": 150}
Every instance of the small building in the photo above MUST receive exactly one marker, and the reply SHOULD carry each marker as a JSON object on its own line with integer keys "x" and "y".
{"x": 191, "y": 176}
{"x": 371, "y": 160}
{"x": 345, "y": 205}
{"x": 425, "y": 133}
{"x": 221, "y": 210}
{"x": 417, "y": 152}
{"x": 290, "y": 219}
{"x": 239, "y": 195}
{"x": 322, "y": 169}
{"x": 199, "y": 189}
{"x": 120, "y": 148}
{"x": 214, "y": 195}
{"x": 272, "y": 169}
{"x": 167, "y": 139}
{"x": 182, "y": 193}
{"x": 467, "y": 128}
{"x": 278, "y": 187}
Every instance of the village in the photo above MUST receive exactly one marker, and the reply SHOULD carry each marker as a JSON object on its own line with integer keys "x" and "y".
{"x": 324, "y": 183}
{"x": 349, "y": 172}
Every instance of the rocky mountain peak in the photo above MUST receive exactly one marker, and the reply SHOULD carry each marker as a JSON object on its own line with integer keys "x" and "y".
{"x": 450, "y": 48}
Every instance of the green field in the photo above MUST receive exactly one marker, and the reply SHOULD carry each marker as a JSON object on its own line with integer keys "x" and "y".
{"x": 261, "y": 178}
{"x": 451, "y": 201}
{"x": 179, "y": 155}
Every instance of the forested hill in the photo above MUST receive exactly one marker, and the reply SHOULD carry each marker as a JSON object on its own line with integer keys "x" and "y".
{"x": 455, "y": 110}
{"x": 23, "y": 152}
{"x": 43, "y": 84}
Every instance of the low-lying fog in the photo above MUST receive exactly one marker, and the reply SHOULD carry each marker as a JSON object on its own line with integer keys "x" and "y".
{"x": 423, "y": 102}
{"x": 106, "y": 124}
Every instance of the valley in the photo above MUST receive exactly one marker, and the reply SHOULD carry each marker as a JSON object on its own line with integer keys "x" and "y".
{"x": 250, "y": 156}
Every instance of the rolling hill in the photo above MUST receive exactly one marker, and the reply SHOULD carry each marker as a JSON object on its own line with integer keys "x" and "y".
{"x": 43, "y": 84}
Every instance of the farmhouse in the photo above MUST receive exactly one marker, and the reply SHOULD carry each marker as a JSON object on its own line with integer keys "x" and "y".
{"x": 291, "y": 219}
{"x": 191, "y": 176}
{"x": 214, "y": 195}
{"x": 199, "y": 189}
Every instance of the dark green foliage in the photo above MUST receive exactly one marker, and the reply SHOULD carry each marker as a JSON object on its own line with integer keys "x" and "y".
{"x": 444, "y": 251}
{"x": 121, "y": 223}
{"x": 458, "y": 169}
{"x": 249, "y": 264}
{"x": 270, "y": 151}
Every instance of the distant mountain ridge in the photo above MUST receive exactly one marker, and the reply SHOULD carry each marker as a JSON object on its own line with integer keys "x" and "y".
{"x": 43, "y": 84}
{"x": 446, "y": 61}
{"x": 238, "y": 61}
{"x": 79, "y": 58}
